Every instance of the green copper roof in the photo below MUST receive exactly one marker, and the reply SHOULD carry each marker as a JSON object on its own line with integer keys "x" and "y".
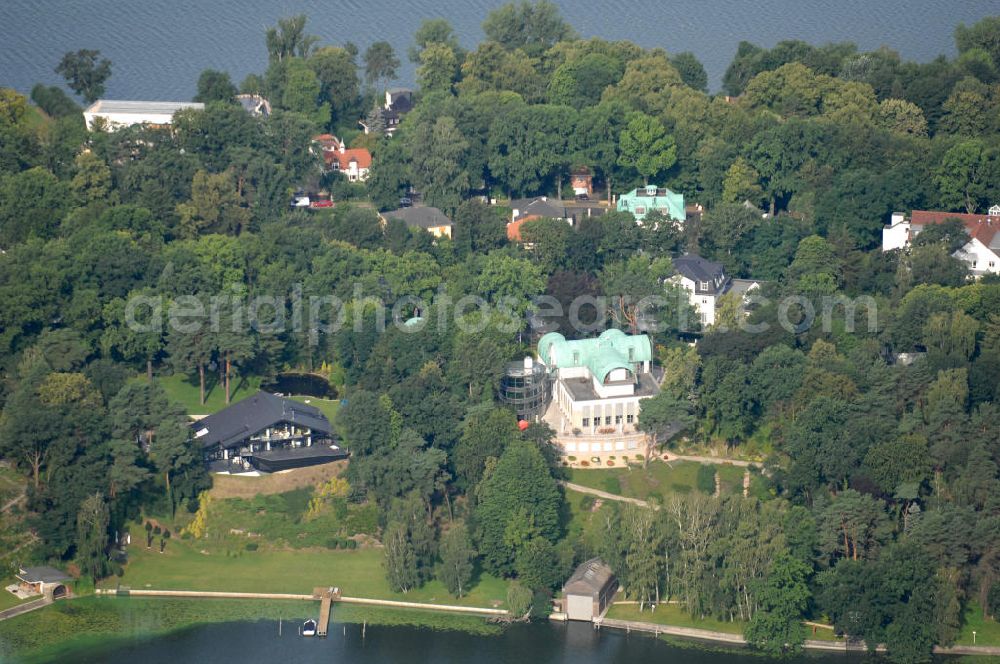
{"x": 612, "y": 350}
{"x": 643, "y": 200}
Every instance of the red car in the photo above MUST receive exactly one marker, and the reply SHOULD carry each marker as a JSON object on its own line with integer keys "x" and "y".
{"x": 321, "y": 204}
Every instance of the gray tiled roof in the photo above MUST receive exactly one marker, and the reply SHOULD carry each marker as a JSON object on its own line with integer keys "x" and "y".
{"x": 421, "y": 217}
{"x": 243, "y": 419}
{"x": 44, "y": 574}
{"x": 538, "y": 206}
{"x": 590, "y": 578}
{"x": 700, "y": 270}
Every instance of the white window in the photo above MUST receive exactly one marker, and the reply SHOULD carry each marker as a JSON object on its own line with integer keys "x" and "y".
{"x": 607, "y": 419}
{"x": 633, "y": 444}
{"x": 608, "y": 446}
{"x": 571, "y": 447}
{"x": 584, "y": 447}
{"x": 618, "y": 419}
{"x": 640, "y": 209}
{"x": 704, "y": 285}
{"x": 620, "y": 445}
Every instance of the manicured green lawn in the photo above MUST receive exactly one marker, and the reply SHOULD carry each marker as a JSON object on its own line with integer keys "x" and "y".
{"x": 658, "y": 480}
{"x": 987, "y": 630}
{"x": 672, "y": 614}
{"x": 731, "y": 478}
{"x": 358, "y": 573}
{"x": 184, "y": 391}
{"x": 328, "y": 407}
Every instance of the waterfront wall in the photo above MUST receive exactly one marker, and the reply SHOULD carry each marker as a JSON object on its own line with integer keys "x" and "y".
{"x": 204, "y": 594}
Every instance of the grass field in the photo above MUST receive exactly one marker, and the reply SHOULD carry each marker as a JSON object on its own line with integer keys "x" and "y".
{"x": 184, "y": 391}
{"x": 327, "y": 406}
{"x": 657, "y": 480}
{"x": 672, "y": 614}
{"x": 359, "y": 573}
{"x": 987, "y": 630}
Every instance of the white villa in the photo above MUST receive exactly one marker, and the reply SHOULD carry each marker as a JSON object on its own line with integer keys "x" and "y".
{"x": 981, "y": 253}
{"x": 597, "y": 387}
{"x": 706, "y": 281}
{"x": 115, "y": 114}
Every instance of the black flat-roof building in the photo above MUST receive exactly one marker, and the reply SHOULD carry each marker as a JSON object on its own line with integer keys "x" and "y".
{"x": 267, "y": 433}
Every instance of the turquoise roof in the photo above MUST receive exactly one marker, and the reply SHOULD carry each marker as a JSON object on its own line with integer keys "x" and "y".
{"x": 612, "y": 350}
{"x": 652, "y": 198}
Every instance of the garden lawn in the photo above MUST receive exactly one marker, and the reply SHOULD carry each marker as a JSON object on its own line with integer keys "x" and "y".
{"x": 672, "y": 614}
{"x": 987, "y": 630}
{"x": 658, "y": 480}
{"x": 7, "y": 600}
{"x": 184, "y": 391}
{"x": 577, "y": 517}
{"x": 328, "y": 407}
{"x": 358, "y": 573}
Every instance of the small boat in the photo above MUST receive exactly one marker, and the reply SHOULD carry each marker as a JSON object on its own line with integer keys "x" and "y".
{"x": 309, "y": 628}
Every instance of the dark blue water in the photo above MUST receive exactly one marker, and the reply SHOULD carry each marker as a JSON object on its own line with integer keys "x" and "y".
{"x": 159, "y": 47}
{"x": 573, "y": 643}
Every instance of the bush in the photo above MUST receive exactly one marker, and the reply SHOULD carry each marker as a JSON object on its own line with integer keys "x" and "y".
{"x": 587, "y": 503}
{"x": 706, "y": 479}
{"x": 333, "y": 543}
{"x": 351, "y": 544}
{"x": 612, "y": 485}
{"x": 571, "y": 458}
{"x": 584, "y": 463}
{"x": 519, "y": 600}
{"x": 251, "y": 546}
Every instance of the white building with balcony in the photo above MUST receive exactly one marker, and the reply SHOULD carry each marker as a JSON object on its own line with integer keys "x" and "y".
{"x": 597, "y": 388}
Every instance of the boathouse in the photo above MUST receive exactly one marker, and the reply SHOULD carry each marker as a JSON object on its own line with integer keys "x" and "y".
{"x": 590, "y": 590}
{"x": 46, "y": 581}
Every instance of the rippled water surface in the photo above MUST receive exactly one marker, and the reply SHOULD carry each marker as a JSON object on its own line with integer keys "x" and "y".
{"x": 159, "y": 47}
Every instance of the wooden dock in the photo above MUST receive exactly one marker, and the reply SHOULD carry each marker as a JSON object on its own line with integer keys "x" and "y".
{"x": 325, "y": 597}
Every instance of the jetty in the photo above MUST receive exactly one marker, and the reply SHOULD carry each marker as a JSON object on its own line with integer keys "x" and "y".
{"x": 325, "y": 597}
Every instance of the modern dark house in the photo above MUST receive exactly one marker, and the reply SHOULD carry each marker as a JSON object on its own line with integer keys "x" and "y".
{"x": 267, "y": 433}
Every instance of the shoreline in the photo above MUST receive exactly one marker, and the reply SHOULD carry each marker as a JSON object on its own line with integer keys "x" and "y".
{"x": 364, "y": 601}
{"x": 387, "y": 612}
{"x": 724, "y": 638}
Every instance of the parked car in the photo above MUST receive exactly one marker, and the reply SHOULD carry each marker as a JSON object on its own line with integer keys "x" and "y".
{"x": 300, "y": 200}
{"x": 406, "y": 201}
{"x": 582, "y": 197}
{"x": 321, "y": 203}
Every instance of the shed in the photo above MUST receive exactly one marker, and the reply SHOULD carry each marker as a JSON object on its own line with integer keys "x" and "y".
{"x": 42, "y": 581}
{"x": 590, "y": 590}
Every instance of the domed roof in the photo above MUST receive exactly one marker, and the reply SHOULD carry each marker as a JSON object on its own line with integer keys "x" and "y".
{"x": 613, "y": 349}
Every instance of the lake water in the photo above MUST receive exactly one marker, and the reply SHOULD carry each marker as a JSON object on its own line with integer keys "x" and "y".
{"x": 542, "y": 643}
{"x": 158, "y": 47}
